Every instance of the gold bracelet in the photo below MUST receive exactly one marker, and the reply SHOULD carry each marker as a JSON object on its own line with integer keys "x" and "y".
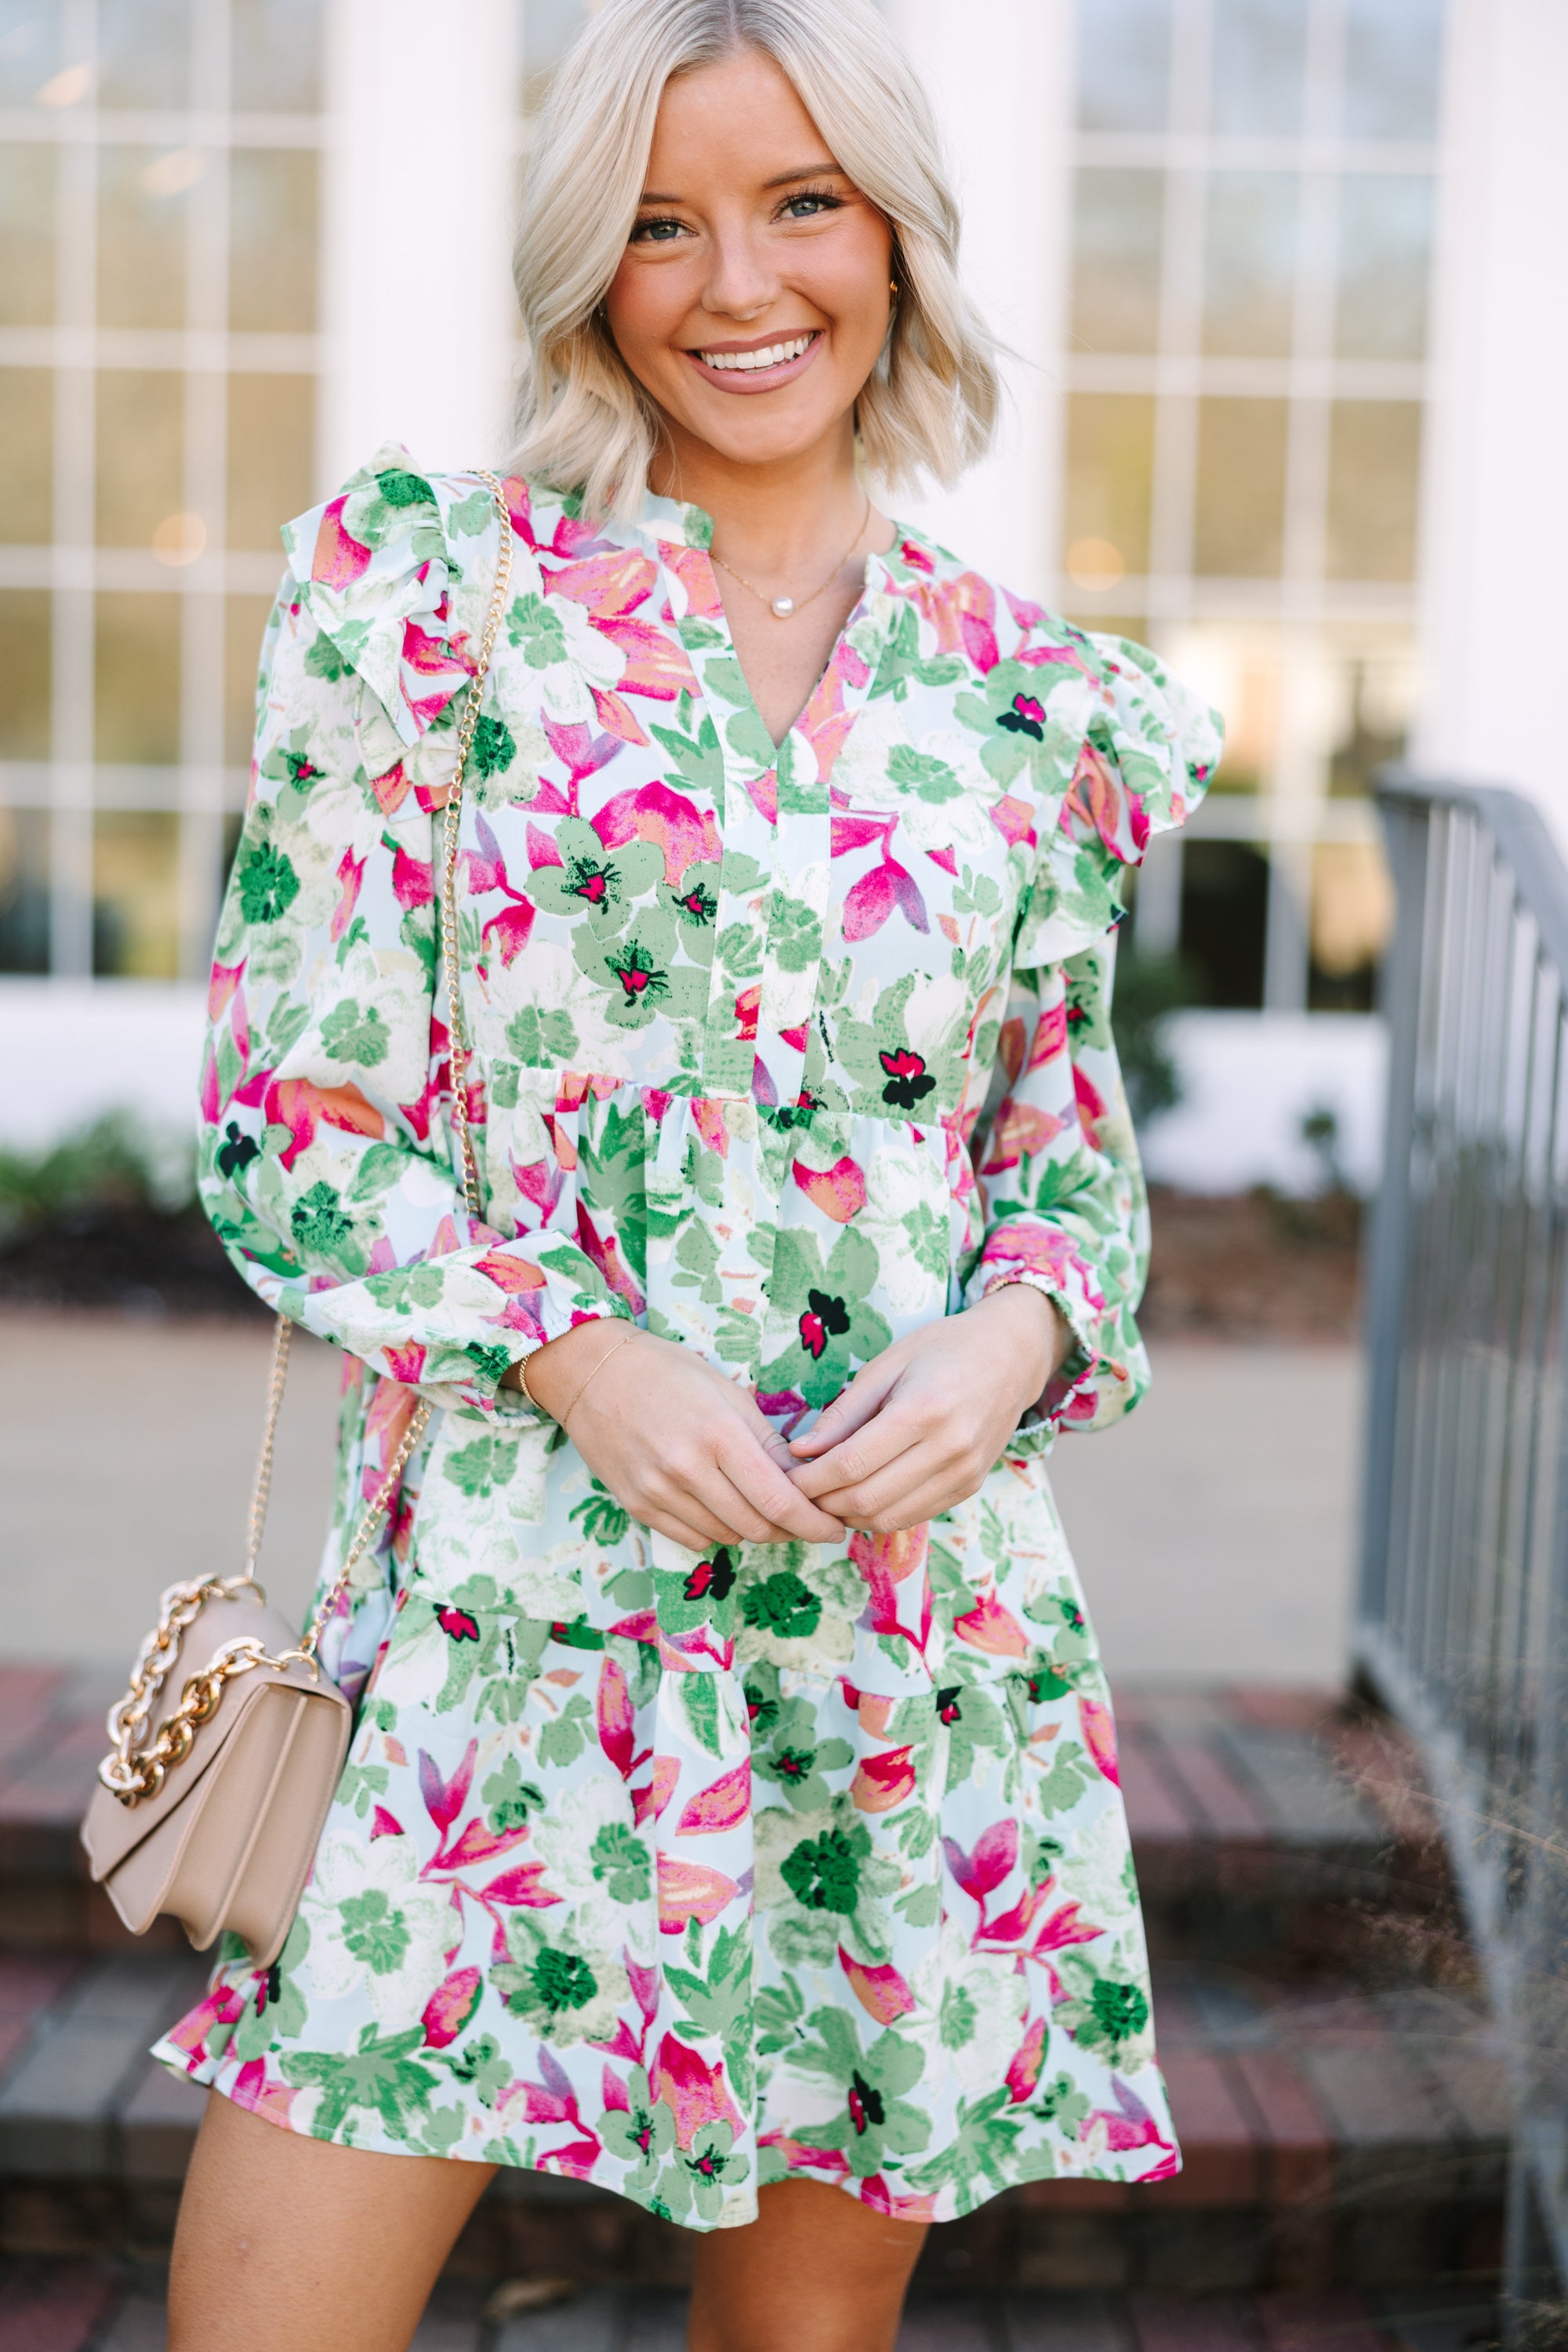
{"x": 625, "y": 1341}
{"x": 523, "y": 1363}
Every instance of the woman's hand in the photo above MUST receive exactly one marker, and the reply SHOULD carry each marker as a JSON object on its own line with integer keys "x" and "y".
{"x": 918, "y": 1429}
{"x": 681, "y": 1448}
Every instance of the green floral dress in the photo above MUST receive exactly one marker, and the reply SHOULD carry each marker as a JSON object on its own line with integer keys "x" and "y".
{"x": 680, "y": 1873}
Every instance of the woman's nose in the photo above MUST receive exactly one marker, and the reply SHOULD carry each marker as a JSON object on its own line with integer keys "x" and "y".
{"x": 741, "y": 285}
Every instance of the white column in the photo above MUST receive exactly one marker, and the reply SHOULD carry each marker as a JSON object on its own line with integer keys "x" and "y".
{"x": 1000, "y": 75}
{"x": 419, "y": 207}
{"x": 1495, "y": 560}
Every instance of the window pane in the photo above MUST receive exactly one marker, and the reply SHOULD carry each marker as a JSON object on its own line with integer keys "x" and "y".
{"x": 1117, "y": 219}
{"x": 1352, "y": 919}
{"x": 1374, "y": 461}
{"x": 143, "y": 52}
{"x": 29, "y": 49}
{"x": 1259, "y": 66}
{"x": 136, "y": 658}
{"x": 24, "y": 674}
{"x": 140, "y": 442}
{"x": 1249, "y": 264}
{"x": 1224, "y": 922}
{"x": 1236, "y": 668}
{"x": 1393, "y": 60}
{"x": 26, "y": 456}
{"x": 1123, "y": 63}
{"x": 24, "y": 891}
{"x": 144, "y": 195}
{"x": 1240, "y": 525}
{"x": 27, "y": 235}
{"x": 245, "y": 618}
{"x": 1110, "y": 468}
{"x": 1386, "y": 260}
{"x": 135, "y": 895}
{"x": 275, "y": 47}
{"x": 272, "y": 240}
{"x": 271, "y": 455}
{"x": 548, "y": 28}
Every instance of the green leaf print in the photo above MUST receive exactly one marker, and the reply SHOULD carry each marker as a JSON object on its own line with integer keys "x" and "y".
{"x": 827, "y": 1304}
{"x": 1072, "y": 1773}
{"x": 779, "y": 2010}
{"x": 564, "y": 1740}
{"x": 621, "y": 1861}
{"x": 382, "y": 2075}
{"x": 824, "y": 1873}
{"x": 494, "y": 747}
{"x": 795, "y": 932}
{"x": 601, "y": 1517}
{"x": 642, "y": 2133}
{"x": 1061, "y": 2102}
{"x": 697, "y": 759}
{"x": 323, "y": 660}
{"x": 795, "y": 1759}
{"x": 322, "y": 1229}
{"x": 877, "y": 2121}
{"x": 930, "y": 780}
{"x": 697, "y": 1255}
{"x": 374, "y": 1931}
{"x": 400, "y": 488}
{"x": 591, "y": 880}
{"x": 981, "y": 2145}
{"x": 900, "y": 667}
{"x": 480, "y": 2065}
{"x": 268, "y": 885}
{"x": 543, "y": 1039}
{"x": 509, "y": 1799}
{"x": 277, "y": 2011}
{"x": 698, "y": 2178}
{"x": 538, "y": 632}
{"x": 782, "y": 1604}
{"x": 356, "y": 1033}
{"x": 483, "y": 1465}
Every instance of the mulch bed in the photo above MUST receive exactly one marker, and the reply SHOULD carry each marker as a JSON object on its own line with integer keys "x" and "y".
{"x": 1249, "y": 1267}
{"x": 1253, "y": 1266}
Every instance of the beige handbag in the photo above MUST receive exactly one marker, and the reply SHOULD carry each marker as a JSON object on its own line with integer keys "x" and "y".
{"x": 213, "y": 1818}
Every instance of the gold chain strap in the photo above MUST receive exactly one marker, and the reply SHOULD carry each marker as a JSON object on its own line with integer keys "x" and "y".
{"x": 134, "y": 1770}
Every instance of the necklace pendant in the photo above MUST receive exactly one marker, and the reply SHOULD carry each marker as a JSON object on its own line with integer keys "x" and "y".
{"x": 783, "y": 606}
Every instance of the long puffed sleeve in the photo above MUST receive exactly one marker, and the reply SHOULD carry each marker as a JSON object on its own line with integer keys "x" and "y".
{"x": 328, "y": 1167}
{"x": 1065, "y": 1206}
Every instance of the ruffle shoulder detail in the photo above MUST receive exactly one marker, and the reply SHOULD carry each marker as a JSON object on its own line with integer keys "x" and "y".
{"x": 1148, "y": 748}
{"x": 397, "y": 571}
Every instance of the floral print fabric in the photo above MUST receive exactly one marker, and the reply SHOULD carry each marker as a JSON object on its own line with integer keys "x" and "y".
{"x": 682, "y": 1873}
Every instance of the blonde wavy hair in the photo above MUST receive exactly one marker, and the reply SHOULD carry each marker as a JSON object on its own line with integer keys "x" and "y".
{"x": 583, "y": 421}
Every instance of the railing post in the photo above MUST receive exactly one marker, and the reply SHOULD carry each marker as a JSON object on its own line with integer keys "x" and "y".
{"x": 1408, "y": 825}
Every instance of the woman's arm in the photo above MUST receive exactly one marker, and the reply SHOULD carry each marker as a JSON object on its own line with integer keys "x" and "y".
{"x": 1065, "y": 1226}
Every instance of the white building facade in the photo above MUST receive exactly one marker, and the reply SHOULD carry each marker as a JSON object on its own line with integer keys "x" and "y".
{"x": 1282, "y": 282}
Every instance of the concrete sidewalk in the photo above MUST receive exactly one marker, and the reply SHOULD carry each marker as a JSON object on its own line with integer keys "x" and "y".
{"x": 1214, "y": 1530}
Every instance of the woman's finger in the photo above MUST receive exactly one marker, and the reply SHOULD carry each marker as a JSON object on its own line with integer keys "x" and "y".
{"x": 771, "y": 1493}
{"x": 851, "y": 1408}
{"x": 860, "y": 1455}
{"x": 899, "y": 1489}
{"x": 681, "y": 1532}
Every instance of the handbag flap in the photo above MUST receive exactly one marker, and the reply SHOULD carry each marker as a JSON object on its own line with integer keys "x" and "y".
{"x": 112, "y": 1828}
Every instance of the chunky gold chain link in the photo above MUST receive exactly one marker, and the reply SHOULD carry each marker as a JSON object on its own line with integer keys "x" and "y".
{"x": 137, "y": 1765}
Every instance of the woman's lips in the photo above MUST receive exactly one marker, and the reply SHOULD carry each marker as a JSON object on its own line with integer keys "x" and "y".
{"x": 759, "y": 379}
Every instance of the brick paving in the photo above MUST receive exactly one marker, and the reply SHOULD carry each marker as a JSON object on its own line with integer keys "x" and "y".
{"x": 1343, "y": 2120}
{"x": 87, "y": 2307}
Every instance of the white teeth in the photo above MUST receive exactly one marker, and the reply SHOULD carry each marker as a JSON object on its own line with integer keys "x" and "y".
{"x": 745, "y": 363}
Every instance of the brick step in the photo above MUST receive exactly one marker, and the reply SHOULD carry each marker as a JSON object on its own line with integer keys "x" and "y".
{"x": 58, "y": 2306}
{"x": 1274, "y": 1827}
{"x": 1331, "y": 2135}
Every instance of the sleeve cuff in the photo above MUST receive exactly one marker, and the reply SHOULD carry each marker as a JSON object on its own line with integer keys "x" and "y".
{"x": 1042, "y": 1259}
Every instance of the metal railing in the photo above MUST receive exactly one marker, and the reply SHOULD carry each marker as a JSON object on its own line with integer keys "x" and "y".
{"x": 1464, "y": 1597}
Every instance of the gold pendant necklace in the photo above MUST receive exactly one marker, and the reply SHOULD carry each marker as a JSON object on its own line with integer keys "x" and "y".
{"x": 780, "y": 607}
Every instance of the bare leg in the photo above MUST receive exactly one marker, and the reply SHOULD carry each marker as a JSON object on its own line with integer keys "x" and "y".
{"x": 816, "y": 2271}
{"x": 289, "y": 2244}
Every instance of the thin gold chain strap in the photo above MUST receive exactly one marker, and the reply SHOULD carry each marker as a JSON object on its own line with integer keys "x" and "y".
{"x": 134, "y": 1770}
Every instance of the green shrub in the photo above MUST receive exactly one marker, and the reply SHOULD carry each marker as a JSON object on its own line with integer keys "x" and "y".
{"x": 116, "y": 1163}
{"x": 1148, "y": 989}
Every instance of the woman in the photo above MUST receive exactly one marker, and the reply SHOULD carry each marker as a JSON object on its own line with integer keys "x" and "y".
{"x": 732, "y": 1817}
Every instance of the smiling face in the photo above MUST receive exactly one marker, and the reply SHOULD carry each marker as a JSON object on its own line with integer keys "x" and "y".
{"x": 752, "y": 299}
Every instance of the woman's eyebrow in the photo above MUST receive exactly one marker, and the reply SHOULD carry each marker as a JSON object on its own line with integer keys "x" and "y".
{"x": 780, "y": 179}
{"x": 805, "y": 172}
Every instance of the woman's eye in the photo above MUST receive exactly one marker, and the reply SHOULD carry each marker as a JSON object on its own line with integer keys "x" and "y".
{"x": 805, "y": 207}
{"x": 655, "y": 232}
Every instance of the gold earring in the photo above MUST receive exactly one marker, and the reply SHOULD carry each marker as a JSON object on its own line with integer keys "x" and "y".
{"x": 893, "y": 288}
